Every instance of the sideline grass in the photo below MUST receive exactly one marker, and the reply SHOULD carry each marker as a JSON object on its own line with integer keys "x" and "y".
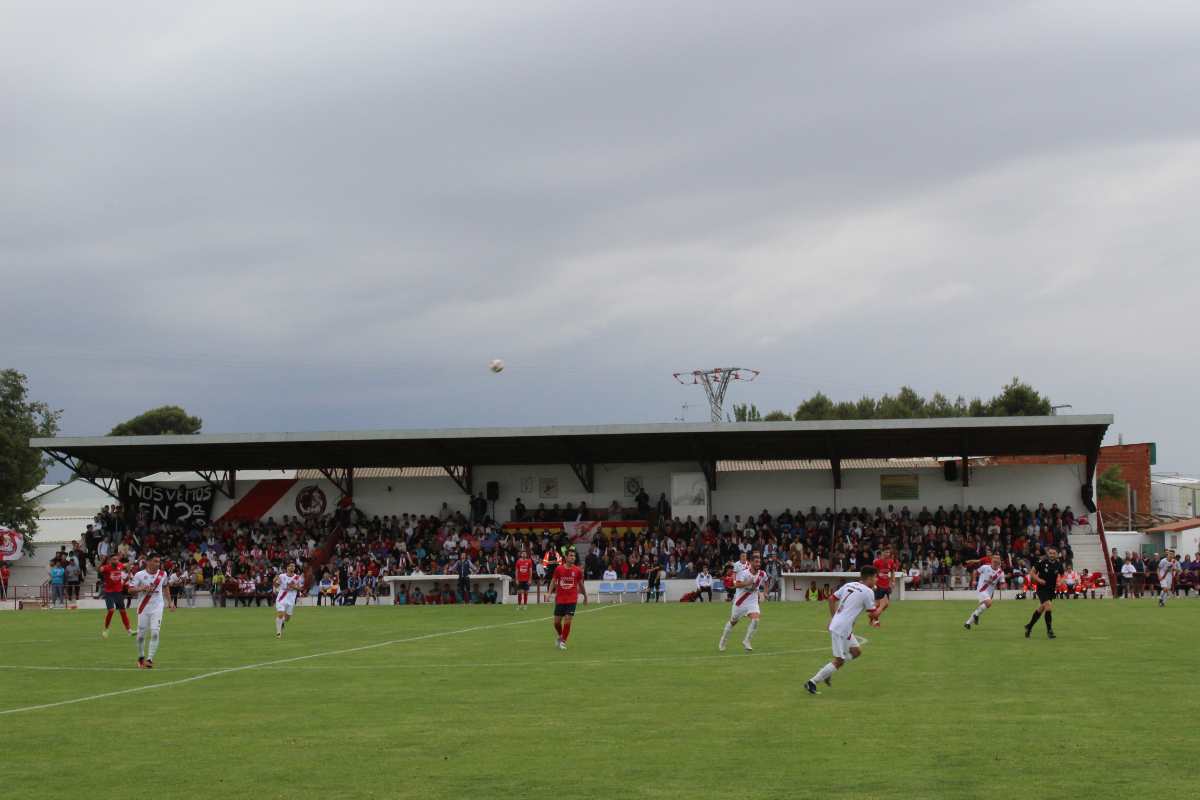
{"x": 641, "y": 705}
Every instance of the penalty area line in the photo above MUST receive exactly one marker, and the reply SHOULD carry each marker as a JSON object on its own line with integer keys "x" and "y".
{"x": 277, "y": 662}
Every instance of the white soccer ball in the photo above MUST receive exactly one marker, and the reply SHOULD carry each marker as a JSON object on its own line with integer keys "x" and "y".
{"x": 496, "y": 365}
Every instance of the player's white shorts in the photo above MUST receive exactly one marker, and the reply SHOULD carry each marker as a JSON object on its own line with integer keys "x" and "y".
{"x": 984, "y": 596}
{"x": 842, "y": 644}
{"x": 1166, "y": 583}
{"x": 150, "y": 619}
{"x": 285, "y": 606}
{"x": 748, "y": 606}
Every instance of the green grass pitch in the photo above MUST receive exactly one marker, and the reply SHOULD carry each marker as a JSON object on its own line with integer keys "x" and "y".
{"x": 461, "y": 702}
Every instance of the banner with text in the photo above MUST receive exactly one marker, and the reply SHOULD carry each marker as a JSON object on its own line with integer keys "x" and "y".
{"x": 179, "y": 505}
{"x": 582, "y": 531}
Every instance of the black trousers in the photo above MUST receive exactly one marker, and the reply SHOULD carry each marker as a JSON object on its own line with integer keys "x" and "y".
{"x": 703, "y": 590}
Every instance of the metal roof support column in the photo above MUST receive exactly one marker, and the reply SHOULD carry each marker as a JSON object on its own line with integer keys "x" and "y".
{"x": 462, "y": 475}
{"x": 586, "y": 473}
{"x": 709, "y": 467}
{"x": 86, "y": 472}
{"x": 220, "y": 480}
{"x": 341, "y": 477}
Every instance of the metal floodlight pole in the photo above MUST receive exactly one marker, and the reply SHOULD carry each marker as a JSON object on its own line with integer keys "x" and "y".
{"x": 716, "y": 382}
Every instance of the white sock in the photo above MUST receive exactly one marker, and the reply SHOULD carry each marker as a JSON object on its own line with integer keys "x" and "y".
{"x": 279, "y": 625}
{"x": 726, "y": 632}
{"x": 976, "y": 613}
{"x": 750, "y": 631}
{"x": 141, "y": 637}
{"x": 824, "y": 672}
{"x": 153, "y": 643}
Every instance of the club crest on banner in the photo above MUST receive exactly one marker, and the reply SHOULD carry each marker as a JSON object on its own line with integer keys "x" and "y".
{"x": 311, "y": 502}
{"x": 10, "y": 545}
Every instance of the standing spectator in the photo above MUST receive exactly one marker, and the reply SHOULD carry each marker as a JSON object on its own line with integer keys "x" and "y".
{"x": 189, "y": 587}
{"x": 74, "y": 577}
{"x": 463, "y": 568}
{"x": 662, "y": 510}
{"x": 58, "y": 579}
{"x": 704, "y": 583}
{"x": 1128, "y": 572}
{"x": 4, "y": 580}
{"x": 643, "y": 504}
{"x": 1117, "y": 564}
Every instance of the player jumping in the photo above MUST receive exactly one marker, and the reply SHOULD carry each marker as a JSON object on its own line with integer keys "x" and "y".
{"x": 850, "y": 600}
{"x": 112, "y": 572}
{"x": 151, "y": 583}
{"x": 990, "y": 576}
{"x": 567, "y": 583}
{"x": 1045, "y": 577}
{"x": 287, "y": 588}
{"x": 524, "y": 574}
{"x": 749, "y": 580}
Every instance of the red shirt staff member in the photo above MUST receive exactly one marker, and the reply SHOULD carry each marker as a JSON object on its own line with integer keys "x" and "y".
{"x": 112, "y": 572}
{"x": 885, "y": 565}
{"x": 524, "y": 575}
{"x": 567, "y": 583}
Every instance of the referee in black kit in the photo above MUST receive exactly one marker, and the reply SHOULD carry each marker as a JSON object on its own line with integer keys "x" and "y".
{"x": 1045, "y": 574}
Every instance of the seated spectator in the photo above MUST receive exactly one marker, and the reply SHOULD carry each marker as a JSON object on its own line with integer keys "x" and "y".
{"x": 416, "y": 597}
{"x": 490, "y": 595}
{"x": 610, "y": 574}
{"x": 401, "y": 596}
{"x": 812, "y": 593}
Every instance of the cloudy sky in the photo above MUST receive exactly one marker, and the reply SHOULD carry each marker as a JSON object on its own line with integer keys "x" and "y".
{"x": 291, "y": 216}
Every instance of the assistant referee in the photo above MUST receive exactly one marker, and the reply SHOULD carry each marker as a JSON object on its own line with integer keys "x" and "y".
{"x": 1045, "y": 574}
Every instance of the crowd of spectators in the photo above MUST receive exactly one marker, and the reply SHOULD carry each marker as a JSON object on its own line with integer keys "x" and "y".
{"x": 237, "y": 561}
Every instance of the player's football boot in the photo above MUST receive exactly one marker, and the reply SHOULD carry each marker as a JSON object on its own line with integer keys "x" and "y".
{"x": 721, "y": 645}
{"x": 810, "y": 687}
{"x": 1050, "y": 635}
{"x": 104, "y": 633}
{"x": 967, "y": 625}
{"x": 746, "y": 646}
{"x": 1028, "y": 631}
{"x": 141, "y": 663}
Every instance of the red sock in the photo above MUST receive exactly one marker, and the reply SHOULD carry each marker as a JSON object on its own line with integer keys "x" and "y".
{"x": 107, "y": 618}
{"x": 558, "y": 627}
{"x": 124, "y": 618}
{"x": 566, "y": 628}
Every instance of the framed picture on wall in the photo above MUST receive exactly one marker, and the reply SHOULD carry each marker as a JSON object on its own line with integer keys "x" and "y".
{"x": 633, "y": 485}
{"x": 547, "y": 488}
{"x": 899, "y": 487}
{"x": 528, "y": 485}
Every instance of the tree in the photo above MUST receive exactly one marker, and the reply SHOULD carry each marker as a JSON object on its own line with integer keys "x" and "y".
{"x": 1018, "y": 399}
{"x": 159, "y": 421}
{"x": 1110, "y": 485}
{"x": 21, "y": 467}
{"x": 816, "y": 407}
{"x": 746, "y": 413}
{"x": 777, "y": 416}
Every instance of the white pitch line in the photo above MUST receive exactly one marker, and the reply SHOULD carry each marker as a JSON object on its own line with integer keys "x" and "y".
{"x": 730, "y": 658}
{"x": 293, "y": 659}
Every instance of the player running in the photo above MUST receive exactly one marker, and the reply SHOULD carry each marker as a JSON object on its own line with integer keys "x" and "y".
{"x": 885, "y": 565}
{"x": 749, "y": 580}
{"x": 287, "y": 587}
{"x": 567, "y": 583}
{"x": 151, "y": 583}
{"x": 112, "y": 572}
{"x": 524, "y": 575}
{"x": 850, "y": 600}
{"x": 1045, "y": 575}
{"x": 990, "y": 576}
{"x": 1167, "y": 569}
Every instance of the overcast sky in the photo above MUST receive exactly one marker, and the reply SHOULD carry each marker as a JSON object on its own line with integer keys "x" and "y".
{"x": 329, "y": 216}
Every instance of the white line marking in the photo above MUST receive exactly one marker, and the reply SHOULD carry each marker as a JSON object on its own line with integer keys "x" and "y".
{"x": 729, "y": 658}
{"x": 244, "y": 667}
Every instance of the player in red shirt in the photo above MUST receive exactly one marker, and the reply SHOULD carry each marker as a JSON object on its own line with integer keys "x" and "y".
{"x": 567, "y": 583}
{"x": 885, "y": 565}
{"x": 112, "y": 572}
{"x": 524, "y": 573}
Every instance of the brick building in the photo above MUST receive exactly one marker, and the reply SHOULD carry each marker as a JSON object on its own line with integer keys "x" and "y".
{"x": 1134, "y": 461}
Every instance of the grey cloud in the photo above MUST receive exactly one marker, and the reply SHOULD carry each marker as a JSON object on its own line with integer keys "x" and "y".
{"x": 306, "y": 217}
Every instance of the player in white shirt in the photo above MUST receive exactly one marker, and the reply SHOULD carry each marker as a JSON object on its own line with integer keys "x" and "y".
{"x": 850, "y": 600}
{"x": 990, "y": 576}
{"x": 151, "y": 585}
{"x": 749, "y": 580}
{"x": 1166, "y": 576}
{"x": 287, "y": 586}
